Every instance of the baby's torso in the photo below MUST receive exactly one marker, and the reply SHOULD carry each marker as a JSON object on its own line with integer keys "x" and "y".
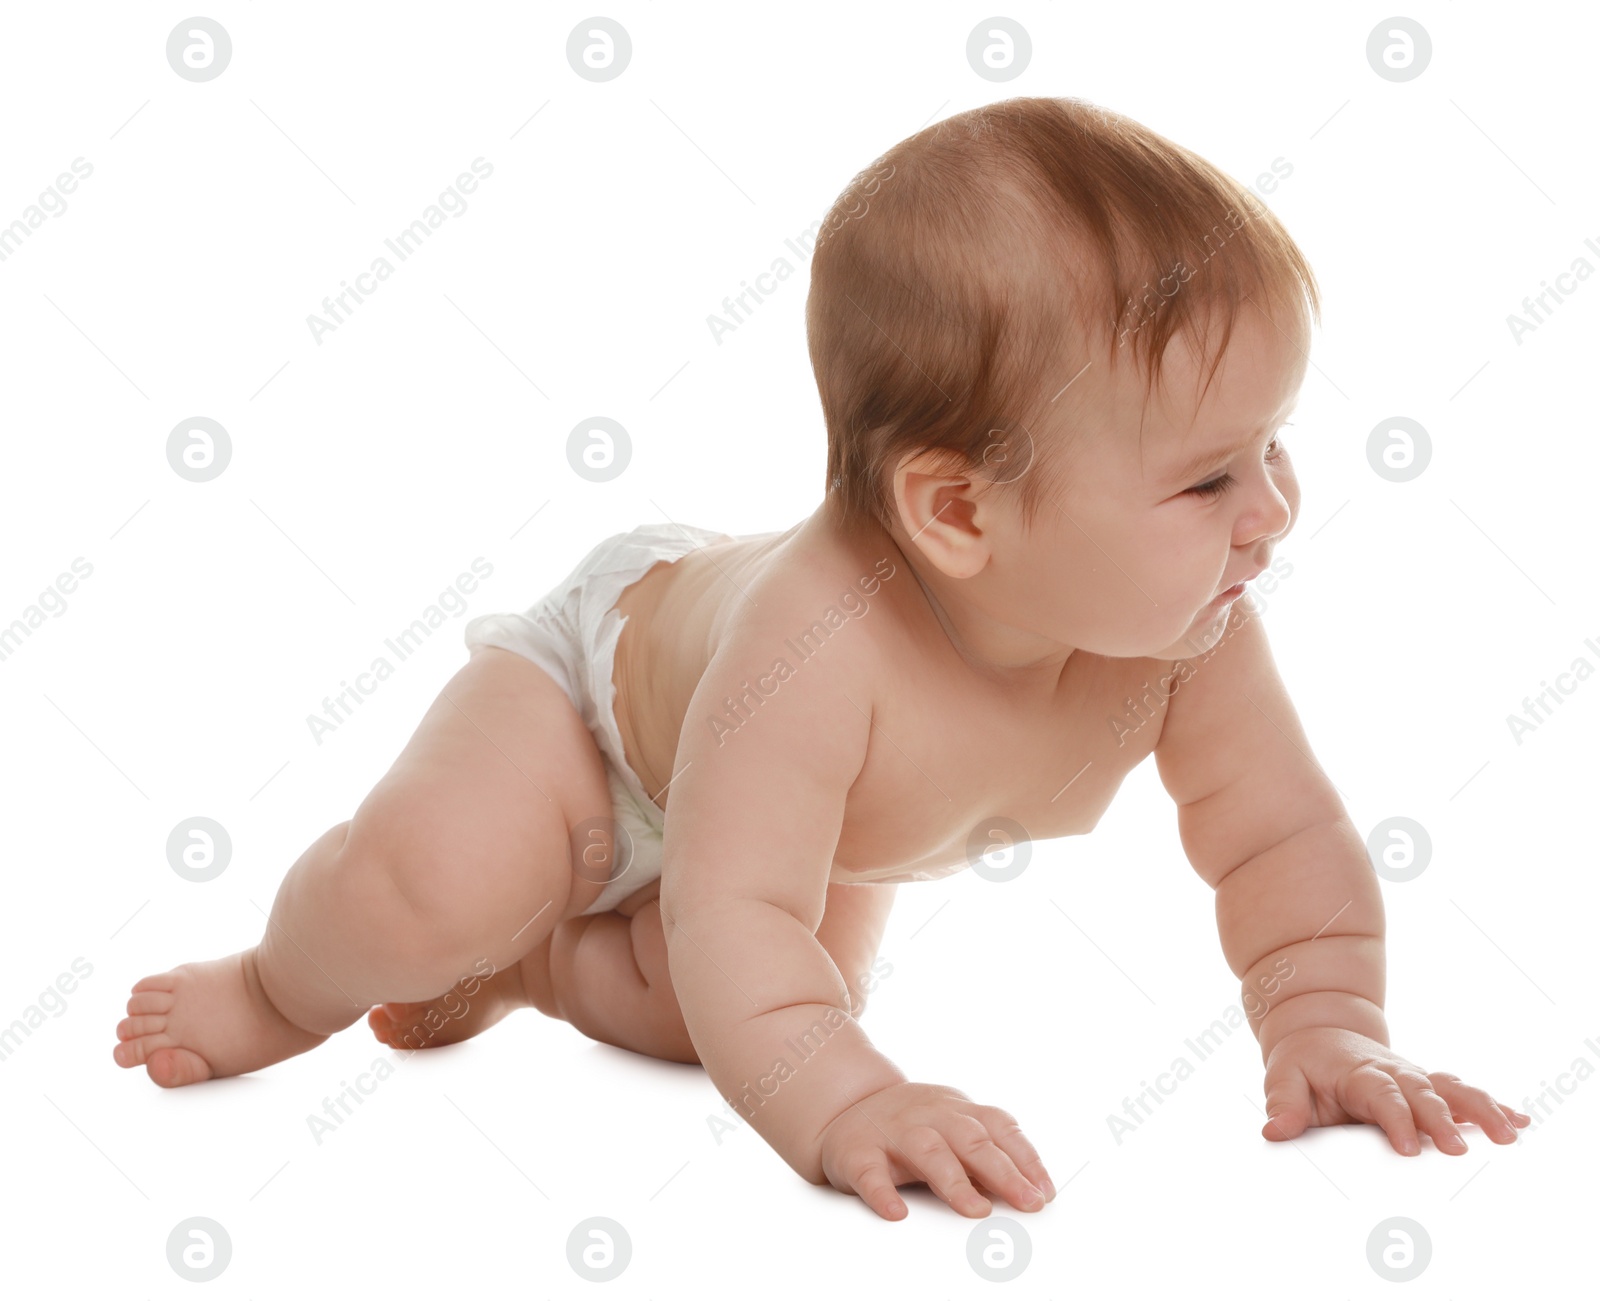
{"x": 949, "y": 752}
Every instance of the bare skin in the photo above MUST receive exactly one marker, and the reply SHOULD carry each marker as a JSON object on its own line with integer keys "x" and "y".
{"x": 977, "y": 671}
{"x": 605, "y": 974}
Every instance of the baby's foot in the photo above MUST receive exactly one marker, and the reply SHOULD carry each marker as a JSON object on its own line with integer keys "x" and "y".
{"x": 451, "y": 1017}
{"x": 205, "y": 1019}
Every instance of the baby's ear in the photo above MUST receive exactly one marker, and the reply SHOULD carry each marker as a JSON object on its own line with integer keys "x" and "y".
{"x": 936, "y": 500}
{"x": 950, "y": 538}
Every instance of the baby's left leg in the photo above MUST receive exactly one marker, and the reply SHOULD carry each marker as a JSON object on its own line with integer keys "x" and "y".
{"x": 464, "y": 1012}
{"x": 607, "y": 975}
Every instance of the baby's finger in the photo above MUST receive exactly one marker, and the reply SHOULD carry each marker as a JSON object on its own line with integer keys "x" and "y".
{"x": 1005, "y": 1131}
{"x": 986, "y": 1159}
{"x": 875, "y": 1186}
{"x": 1517, "y": 1118}
{"x": 926, "y": 1150}
{"x": 1374, "y": 1096}
{"x": 1468, "y": 1103}
{"x": 1289, "y": 1105}
{"x": 1432, "y": 1113}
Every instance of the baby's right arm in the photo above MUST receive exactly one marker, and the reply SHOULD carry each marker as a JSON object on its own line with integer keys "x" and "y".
{"x": 755, "y": 815}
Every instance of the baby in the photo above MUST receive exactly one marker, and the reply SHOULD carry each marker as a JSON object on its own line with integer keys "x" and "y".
{"x": 1055, "y": 352}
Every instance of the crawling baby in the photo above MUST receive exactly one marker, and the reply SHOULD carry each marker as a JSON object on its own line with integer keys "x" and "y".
{"x": 1055, "y": 353}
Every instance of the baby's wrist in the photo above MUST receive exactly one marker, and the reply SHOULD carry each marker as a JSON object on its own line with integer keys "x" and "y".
{"x": 793, "y": 1105}
{"x": 835, "y": 1098}
{"x": 1331, "y": 1008}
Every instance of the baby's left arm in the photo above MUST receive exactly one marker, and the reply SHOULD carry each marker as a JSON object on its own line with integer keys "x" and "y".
{"x": 1299, "y": 912}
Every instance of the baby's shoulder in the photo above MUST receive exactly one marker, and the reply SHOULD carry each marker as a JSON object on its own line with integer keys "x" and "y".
{"x": 817, "y": 593}
{"x": 797, "y": 661}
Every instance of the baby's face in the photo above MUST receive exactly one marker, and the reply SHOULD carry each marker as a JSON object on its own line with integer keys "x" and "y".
{"x": 1133, "y": 560}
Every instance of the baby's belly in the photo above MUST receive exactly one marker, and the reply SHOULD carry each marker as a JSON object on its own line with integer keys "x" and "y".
{"x": 893, "y": 875}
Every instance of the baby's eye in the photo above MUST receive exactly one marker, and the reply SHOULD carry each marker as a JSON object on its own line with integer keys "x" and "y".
{"x": 1216, "y": 487}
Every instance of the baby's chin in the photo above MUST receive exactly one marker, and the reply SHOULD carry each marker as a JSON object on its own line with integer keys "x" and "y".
{"x": 1204, "y": 632}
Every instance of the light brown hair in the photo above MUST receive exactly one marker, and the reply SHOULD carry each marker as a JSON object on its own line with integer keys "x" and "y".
{"x": 966, "y": 277}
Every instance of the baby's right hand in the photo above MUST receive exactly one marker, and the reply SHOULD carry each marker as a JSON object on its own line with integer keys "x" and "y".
{"x": 927, "y": 1133}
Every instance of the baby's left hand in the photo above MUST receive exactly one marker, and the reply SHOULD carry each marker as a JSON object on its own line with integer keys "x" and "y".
{"x": 1325, "y": 1076}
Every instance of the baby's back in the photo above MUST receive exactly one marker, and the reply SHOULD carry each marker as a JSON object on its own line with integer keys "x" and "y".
{"x": 951, "y": 753}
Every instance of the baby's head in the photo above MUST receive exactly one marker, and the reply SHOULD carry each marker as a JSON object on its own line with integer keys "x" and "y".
{"x": 1053, "y": 350}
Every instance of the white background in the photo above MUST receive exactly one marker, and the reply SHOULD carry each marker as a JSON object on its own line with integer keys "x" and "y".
{"x": 369, "y": 470}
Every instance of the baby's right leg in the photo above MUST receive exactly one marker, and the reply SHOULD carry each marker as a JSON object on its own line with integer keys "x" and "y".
{"x": 459, "y": 855}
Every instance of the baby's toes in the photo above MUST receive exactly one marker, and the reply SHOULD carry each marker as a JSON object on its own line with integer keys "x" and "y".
{"x": 389, "y": 1021}
{"x": 136, "y": 1047}
{"x": 172, "y": 1068}
{"x": 161, "y": 983}
{"x": 137, "y": 1027}
{"x": 156, "y": 1001}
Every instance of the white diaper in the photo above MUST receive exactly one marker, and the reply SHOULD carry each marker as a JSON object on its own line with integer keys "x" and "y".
{"x": 571, "y": 633}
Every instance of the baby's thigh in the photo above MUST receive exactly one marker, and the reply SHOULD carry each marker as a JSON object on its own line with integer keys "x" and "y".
{"x": 472, "y": 822}
{"x": 608, "y": 974}
{"x": 852, "y": 927}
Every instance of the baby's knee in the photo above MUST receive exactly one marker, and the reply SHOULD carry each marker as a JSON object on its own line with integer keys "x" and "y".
{"x": 610, "y": 981}
{"x": 406, "y": 870}
{"x": 650, "y": 955}
{"x": 650, "y": 946}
